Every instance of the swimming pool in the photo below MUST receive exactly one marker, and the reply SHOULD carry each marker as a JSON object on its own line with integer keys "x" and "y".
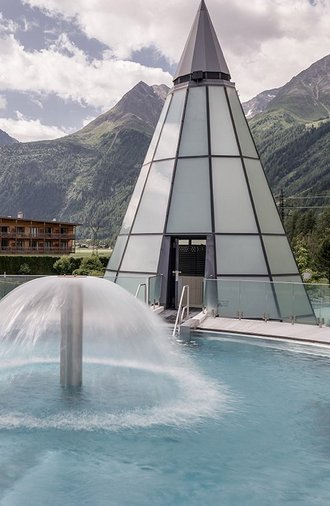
{"x": 265, "y": 439}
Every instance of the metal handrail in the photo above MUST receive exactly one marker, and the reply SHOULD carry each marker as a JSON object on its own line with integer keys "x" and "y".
{"x": 182, "y": 309}
{"x": 145, "y": 291}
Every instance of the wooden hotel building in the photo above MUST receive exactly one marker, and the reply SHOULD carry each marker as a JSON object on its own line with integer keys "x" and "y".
{"x": 36, "y": 237}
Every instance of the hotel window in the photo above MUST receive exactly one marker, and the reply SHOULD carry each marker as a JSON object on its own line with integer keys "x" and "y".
{"x": 34, "y": 231}
{"x": 20, "y": 230}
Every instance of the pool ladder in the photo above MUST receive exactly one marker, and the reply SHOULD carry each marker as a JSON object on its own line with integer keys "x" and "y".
{"x": 146, "y": 292}
{"x": 182, "y": 311}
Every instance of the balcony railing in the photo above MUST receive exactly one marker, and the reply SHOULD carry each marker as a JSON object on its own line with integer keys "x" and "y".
{"x": 36, "y": 251}
{"x": 40, "y": 235}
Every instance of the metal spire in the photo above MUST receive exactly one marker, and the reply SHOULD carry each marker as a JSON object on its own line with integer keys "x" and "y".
{"x": 202, "y": 52}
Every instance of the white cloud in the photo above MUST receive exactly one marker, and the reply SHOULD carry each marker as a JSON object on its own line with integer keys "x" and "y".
{"x": 26, "y": 130}
{"x": 265, "y": 42}
{"x": 7, "y": 25}
{"x": 3, "y": 102}
{"x": 65, "y": 70}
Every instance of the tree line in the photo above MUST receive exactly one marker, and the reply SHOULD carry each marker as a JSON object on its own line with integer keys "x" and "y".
{"x": 309, "y": 235}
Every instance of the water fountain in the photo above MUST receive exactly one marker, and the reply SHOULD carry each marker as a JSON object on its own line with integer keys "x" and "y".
{"x": 98, "y": 342}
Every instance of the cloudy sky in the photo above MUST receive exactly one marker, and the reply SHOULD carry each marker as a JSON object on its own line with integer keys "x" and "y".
{"x": 63, "y": 62}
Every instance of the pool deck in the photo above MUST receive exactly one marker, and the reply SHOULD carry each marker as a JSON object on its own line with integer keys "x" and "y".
{"x": 296, "y": 331}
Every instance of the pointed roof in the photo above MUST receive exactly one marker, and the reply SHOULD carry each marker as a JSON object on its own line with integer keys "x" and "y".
{"x": 202, "y": 51}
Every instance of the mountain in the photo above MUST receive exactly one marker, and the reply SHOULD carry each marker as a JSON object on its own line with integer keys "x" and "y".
{"x": 307, "y": 95}
{"x": 293, "y": 134}
{"x": 6, "y": 139}
{"x": 86, "y": 177}
{"x": 259, "y": 103}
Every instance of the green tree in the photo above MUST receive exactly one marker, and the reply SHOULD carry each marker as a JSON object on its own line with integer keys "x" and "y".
{"x": 323, "y": 224}
{"x": 90, "y": 266}
{"x": 291, "y": 224}
{"x": 301, "y": 254}
{"x": 308, "y": 222}
{"x": 323, "y": 257}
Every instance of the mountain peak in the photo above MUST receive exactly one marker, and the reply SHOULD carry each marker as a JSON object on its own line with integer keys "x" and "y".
{"x": 259, "y": 103}
{"x": 140, "y": 106}
{"x": 6, "y": 139}
{"x": 161, "y": 90}
{"x": 307, "y": 95}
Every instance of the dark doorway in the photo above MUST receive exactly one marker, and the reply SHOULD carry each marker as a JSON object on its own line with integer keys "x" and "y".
{"x": 192, "y": 258}
{"x": 186, "y": 267}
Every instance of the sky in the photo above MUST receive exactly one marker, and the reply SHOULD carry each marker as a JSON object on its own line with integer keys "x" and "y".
{"x": 64, "y": 62}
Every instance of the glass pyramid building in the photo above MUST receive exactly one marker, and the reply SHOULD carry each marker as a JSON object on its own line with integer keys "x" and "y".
{"x": 202, "y": 206}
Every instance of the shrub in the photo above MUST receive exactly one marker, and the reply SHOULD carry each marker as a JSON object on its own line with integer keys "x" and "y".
{"x": 90, "y": 266}
{"x": 66, "y": 265}
{"x": 24, "y": 269}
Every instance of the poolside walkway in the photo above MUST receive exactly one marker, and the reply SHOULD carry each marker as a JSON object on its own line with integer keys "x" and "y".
{"x": 296, "y": 331}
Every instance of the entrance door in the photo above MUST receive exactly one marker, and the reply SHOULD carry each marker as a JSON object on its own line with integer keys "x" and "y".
{"x": 188, "y": 260}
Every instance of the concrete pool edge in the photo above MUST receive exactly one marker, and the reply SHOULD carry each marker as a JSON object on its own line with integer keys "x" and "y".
{"x": 274, "y": 330}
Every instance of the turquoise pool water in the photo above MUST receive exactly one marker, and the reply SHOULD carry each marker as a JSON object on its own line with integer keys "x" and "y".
{"x": 253, "y": 430}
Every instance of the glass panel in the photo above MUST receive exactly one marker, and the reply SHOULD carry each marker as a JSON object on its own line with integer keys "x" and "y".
{"x": 267, "y": 214}
{"x": 158, "y": 128}
{"x": 190, "y": 204}
{"x": 152, "y": 211}
{"x": 155, "y": 288}
{"x": 117, "y": 253}
{"x": 248, "y": 298}
{"x": 231, "y": 214}
{"x": 134, "y": 202}
{"x": 257, "y": 300}
{"x": 240, "y": 255}
{"x": 260, "y": 298}
{"x": 319, "y": 295}
{"x": 210, "y": 296}
{"x": 280, "y": 257}
{"x": 131, "y": 284}
{"x": 287, "y": 279}
{"x": 109, "y": 275}
{"x": 228, "y": 298}
{"x": 243, "y": 131}
{"x": 223, "y": 139}
{"x": 168, "y": 142}
{"x": 142, "y": 253}
{"x": 194, "y": 130}
{"x": 294, "y": 303}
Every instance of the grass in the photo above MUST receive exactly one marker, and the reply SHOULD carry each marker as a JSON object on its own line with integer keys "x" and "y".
{"x": 86, "y": 252}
